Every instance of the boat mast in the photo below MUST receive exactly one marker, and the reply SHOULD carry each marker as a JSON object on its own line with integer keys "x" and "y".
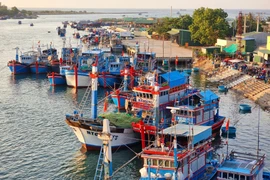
{"x": 106, "y": 138}
{"x": 94, "y": 79}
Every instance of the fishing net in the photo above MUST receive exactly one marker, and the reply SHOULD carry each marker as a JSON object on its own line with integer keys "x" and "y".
{"x": 120, "y": 119}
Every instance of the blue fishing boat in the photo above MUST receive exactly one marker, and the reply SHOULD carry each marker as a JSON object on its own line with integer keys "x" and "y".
{"x": 22, "y": 65}
{"x": 222, "y": 88}
{"x": 245, "y": 108}
{"x": 195, "y": 69}
{"x": 266, "y": 175}
{"x": 174, "y": 160}
{"x": 165, "y": 64}
{"x": 56, "y": 79}
{"x": 78, "y": 76}
{"x": 188, "y": 71}
{"x": 145, "y": 61}
{"x": 238, "y": 165}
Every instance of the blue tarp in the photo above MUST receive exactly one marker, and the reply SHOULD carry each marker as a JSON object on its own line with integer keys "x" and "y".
{"x": 208, "y": 96}
{"x": 174, "y": 78}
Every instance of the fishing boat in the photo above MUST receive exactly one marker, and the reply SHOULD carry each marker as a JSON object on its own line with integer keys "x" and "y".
{"x": 31, "y": 24}
{"x": 43, "y": 64}
{"x": 199, "y": 108}
{"x": 239, "y": 165}
{"x": 22, "y": 65}
{"x": 19, "y": 22}
{"x": 245, "y": 108}
{"x": 195, "y": 69}
{"x": 79, "y": 76}
{"x": 222, "y": 88}
{"x": 188, "y": 71}
{"x": 87, "y": 128}
{"x": 151, "y": 99}
{"x": 170, "y": 159}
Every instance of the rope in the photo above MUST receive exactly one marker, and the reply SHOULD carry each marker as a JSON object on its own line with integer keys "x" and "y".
{"x": 137, "y": 155}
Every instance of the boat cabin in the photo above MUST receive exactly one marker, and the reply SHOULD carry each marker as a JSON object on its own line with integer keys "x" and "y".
{"x": 145, "y": 61}
{"x": 200, "y": 108}
{"x": 29, "y": 57}
{"x": 162, "y": 159}
{"x": 241, "y": 166}
{"x": 70, "y": 54}
{"x": 91, "y": 56}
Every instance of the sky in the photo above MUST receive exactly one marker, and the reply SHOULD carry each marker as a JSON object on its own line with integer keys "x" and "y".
{"x": 140, "y": 4}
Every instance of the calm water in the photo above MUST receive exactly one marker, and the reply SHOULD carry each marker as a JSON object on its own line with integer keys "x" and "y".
{"x": 36, "y": 143}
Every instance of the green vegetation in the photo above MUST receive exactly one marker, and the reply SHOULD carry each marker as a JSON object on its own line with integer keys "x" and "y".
{"x": 166, "y": 24}
{"x": 120, "y": 119}
{"x": 208, "y": 25}
{"x": 14, "y": 12}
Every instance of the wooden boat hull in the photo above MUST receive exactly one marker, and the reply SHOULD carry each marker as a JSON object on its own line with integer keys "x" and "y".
{"x": 18, "y": 68}
{"x": 57, "y": 80}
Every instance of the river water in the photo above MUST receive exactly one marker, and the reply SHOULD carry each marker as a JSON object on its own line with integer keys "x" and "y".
{"x": 36, "y": 143}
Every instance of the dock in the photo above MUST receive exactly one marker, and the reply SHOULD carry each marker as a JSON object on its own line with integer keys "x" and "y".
{"x": 163, "y": 49}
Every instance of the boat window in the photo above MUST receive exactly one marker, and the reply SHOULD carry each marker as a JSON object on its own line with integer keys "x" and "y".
{"x": 185, "y": 112}
{"x": 230, "y": 175}
{"x": 177, "y": 112}
{"x": 236, "y": 177}
{"x": 242, "y": 177}
{"x": 145, "y": 161}
{"x": 147, "y": 96}
{"x": 225, "y": 175}
{"x": 249, "y": 178}
{"x": 144, "y": 96}
{"x": 171, "y": 164}
{"x": 151, "y": 96}
{"x": 155, "y": 163}
{"x": 167, "y": 163}
{"x": 160, "y": 163}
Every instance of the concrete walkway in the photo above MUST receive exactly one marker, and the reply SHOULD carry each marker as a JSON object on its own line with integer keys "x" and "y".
{"x": 170, "y": 49}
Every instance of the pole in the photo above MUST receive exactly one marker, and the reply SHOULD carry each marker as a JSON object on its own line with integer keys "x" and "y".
{"x": 94, "y": 77}
{"x": 163, "y": 46}
{"x": 245, "y": 21}
{"x": 105, "y": 136}
{"x": 258, "y": 21}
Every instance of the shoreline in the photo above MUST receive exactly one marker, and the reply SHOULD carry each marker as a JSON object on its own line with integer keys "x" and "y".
{"x": 247, "y": 89}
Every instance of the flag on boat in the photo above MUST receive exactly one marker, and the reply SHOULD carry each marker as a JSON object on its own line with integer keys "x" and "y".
{"x": 105, "y": 103}
{"x": 227, "y": 125}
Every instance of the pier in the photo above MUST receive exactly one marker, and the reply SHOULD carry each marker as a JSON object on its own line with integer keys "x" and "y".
{"x": 163, "y": 49}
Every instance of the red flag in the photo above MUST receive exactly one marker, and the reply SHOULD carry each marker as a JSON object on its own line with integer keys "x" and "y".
{"x": 122, "y": 53}
{"x": 176, "y": 60}
{"x": 227, "y": 125}
{"x": 105, "y": 103}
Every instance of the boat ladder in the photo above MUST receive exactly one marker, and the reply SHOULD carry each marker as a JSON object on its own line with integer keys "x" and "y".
{"x": 85, "y": 102}
{"x": 99, "y": 168}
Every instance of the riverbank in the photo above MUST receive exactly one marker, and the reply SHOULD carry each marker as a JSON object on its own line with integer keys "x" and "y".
{"x": 252, "y": 88}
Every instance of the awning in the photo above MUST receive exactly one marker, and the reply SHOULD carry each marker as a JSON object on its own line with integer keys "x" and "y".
{"x": 172, "y": 32}
{"x": 231, "y": 49}
{"x": 264, "y": 51}
{"x": 236, "y": 60}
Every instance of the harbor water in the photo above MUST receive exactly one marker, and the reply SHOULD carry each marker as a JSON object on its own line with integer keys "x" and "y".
{"x": 36, "y": 143}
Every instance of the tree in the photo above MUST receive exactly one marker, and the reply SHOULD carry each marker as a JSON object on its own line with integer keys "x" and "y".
{"x": 208, "y": 25}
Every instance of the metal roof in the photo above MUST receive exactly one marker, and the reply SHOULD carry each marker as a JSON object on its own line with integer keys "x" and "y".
{"x": 199, "y": 133}
{"x": 175, "y": 78}
{"x": 208, "y": 96}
